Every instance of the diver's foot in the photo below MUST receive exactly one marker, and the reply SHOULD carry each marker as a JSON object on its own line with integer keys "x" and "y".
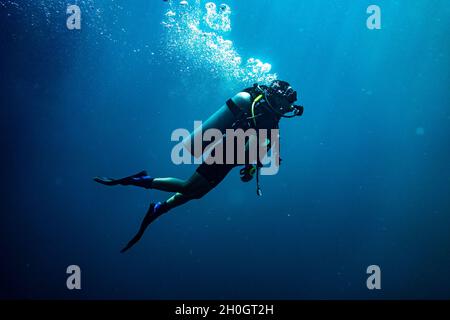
{"x": 153, "y": 213}
{"x": 106, "y": 181}
{"x": 141, "y": 179}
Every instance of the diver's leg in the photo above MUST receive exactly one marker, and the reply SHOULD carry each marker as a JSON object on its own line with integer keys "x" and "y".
{"x": 169, "y": 184}
{"x": 143, "y": 180}
{"x": 196, "y": 187}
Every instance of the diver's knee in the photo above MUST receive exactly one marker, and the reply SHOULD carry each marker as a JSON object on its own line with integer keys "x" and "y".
{"x": 198, "y": 194}
{"x": 191, "y": 193}
{"x": 185, "y": 188}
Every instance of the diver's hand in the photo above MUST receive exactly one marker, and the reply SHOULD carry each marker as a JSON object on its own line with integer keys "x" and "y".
{"x": 248, "y": 173}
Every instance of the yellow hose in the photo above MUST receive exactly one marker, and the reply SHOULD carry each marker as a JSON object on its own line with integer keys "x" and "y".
{"x": 258, "y": 98}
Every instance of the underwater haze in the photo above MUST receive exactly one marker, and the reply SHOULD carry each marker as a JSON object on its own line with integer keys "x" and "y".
{"x": 365, "y": 177}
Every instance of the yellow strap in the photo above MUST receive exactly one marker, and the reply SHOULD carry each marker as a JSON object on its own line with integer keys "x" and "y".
{"x": 258, "y": 98}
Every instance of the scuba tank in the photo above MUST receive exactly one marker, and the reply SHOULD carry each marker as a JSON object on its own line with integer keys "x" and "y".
{"x": 221, "y": 120}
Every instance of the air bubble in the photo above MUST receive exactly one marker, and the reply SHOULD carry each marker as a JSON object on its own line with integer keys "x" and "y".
{"x": 225, "y": 9}
{"x": 210, "y": 6}
{"x": 204, "y": 46}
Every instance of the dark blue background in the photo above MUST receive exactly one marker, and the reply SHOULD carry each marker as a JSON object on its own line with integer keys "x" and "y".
{"x": 365, "y": 178}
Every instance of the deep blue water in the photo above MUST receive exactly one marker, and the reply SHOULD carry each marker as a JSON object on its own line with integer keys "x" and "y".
{"x": 365, "y": 177}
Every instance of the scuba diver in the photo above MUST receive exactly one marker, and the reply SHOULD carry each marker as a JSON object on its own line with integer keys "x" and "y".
{"x": 258, "y": 107}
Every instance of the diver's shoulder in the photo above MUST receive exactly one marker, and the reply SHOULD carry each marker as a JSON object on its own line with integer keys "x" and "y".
{"x": 242, "y": 99}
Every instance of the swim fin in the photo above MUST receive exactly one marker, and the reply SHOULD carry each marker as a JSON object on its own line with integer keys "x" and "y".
{"x": 141, "y": 179}
{"x": 150, "y": 217}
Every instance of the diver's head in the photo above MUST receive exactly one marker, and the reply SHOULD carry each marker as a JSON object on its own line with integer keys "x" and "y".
{"x": 282, "y": 95}
{"x": 283, "y": 89}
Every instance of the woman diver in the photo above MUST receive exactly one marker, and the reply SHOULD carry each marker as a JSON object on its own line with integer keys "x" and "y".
{"x": 259, "y": 107}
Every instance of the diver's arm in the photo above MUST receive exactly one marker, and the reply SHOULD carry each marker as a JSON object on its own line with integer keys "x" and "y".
{"x": 265, "y": 147}
{"x": 249, "y": 171}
